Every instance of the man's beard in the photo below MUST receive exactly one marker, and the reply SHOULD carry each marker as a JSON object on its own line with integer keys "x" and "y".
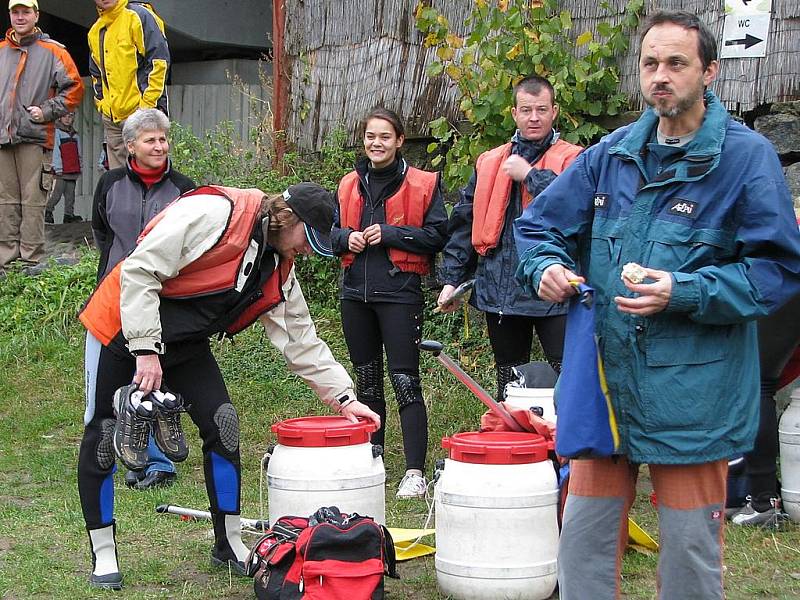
{"x": 680, "y": 107}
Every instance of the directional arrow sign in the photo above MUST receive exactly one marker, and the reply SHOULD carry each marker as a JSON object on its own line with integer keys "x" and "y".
{"x": 747, "y": 41}
{"x": 745, "y": 36}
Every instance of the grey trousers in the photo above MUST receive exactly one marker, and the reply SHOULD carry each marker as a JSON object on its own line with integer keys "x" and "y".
{"x": 66, "y": 188}
{"x": 691, "y": 499}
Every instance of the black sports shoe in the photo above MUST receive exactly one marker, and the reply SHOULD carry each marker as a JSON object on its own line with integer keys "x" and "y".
{"x": 227, "y": 560}
{"x": 72, "y": 218}
{"x": 133, "y": 477}
{"x": 167, "y": 429}
{"x": 111, "y": 581}
{"x": 155, "y": 479}
{"x": 135, "y": 414}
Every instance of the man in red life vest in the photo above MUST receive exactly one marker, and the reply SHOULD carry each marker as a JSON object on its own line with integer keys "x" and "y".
{"x": 481, "y": 245}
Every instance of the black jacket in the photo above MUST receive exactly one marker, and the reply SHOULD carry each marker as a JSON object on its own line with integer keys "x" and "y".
{"x": 122, "y": 206}
{"x": 496, "y": 290}
{"x": 372, "y": 277}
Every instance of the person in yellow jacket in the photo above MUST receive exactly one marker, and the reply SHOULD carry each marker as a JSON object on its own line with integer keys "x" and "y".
{"x": 128, "y": 61}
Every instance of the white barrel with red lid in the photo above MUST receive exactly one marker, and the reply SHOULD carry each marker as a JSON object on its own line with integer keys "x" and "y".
{"x": 325, "y": 461}
{"x": 496, "y": 518}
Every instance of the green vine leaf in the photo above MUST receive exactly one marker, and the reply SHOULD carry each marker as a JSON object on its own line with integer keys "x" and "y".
{"x": 505, "y": 41}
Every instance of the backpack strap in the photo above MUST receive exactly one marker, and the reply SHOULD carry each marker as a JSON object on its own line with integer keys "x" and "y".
{"x": 390, "y": 558}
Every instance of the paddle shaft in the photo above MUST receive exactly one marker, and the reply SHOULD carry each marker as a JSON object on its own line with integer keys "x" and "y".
{"x": 479, "y": 392}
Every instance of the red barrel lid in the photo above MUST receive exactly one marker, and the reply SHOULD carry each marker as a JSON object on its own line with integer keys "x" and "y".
{"x": 323, "y": 431}
{"x": 496, "y": 447}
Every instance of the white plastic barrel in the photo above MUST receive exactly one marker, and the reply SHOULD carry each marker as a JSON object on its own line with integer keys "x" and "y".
{"x": 789, "y": 436}
{"x": 496, "y": 518}
{"x": 520, "y": 397}
{"x": 325, "y": 461}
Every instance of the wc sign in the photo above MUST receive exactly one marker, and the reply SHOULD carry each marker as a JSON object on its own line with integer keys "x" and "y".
{"x": 744, "y": 34}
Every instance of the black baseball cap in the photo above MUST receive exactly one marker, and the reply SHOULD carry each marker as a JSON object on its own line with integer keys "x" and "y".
{"x": 315, "y": 206}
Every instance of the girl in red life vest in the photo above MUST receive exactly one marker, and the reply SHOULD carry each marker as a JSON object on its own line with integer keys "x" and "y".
{"x": 389, "y": 224}
{"x": 66, "y": 169}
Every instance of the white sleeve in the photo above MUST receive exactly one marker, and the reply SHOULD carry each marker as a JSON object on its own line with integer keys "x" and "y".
{"x": 291, "y": 330}
{"x": 188, "y": 229}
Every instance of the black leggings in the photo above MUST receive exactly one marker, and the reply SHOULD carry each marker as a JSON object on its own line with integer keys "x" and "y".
{"x": 511, "y": 337}
{"x": 369, "y": 328}
{"x": 778, "y": 337}
{"x": 190, "y": 370}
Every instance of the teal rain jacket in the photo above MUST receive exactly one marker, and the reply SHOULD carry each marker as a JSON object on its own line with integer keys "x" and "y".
{"x": 684, "y": 382}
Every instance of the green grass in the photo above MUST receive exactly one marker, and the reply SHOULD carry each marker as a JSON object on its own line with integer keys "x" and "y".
{"x": 43, "y": 546}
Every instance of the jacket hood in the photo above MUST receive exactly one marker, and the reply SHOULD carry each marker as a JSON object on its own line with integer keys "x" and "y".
{"x": 706, "y": 144}
{"x": 108, "y": 16}
{"x": 36, "y": 34}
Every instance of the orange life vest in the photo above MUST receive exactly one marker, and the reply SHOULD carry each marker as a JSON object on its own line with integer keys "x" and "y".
{"x": 215, "y": 272}
{"x": 407, "y": 206}
{"x": 493, "y": 189}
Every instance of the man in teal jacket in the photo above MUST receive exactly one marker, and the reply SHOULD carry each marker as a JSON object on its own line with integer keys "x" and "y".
{"x": 701, "y": 203}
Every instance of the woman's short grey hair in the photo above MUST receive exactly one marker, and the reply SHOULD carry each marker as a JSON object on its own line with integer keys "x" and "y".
{"x": 144, "y": 119}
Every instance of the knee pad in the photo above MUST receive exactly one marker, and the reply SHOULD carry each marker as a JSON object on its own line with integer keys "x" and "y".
{"x": 369, "y": 381}
{"x": 407, "y": 389}
{"x": 227, "y": 421}
{"x": 104, "y": 454}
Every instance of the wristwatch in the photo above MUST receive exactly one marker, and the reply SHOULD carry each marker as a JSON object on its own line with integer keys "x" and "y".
{"x": 345, "y": 400}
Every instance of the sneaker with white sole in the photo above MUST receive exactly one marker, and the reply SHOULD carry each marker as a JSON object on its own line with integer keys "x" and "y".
{"x": 135, "y": 415}
{"x": 412, "y": 486}
{"x": 759, "y": 513}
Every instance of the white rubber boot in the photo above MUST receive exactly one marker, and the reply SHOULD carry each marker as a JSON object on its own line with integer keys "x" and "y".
{"x": 105, "y": 569}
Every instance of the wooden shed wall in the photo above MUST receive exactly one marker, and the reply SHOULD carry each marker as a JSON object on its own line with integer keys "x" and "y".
{"x": 743, "y": 83}
{"x": 348, "y": 56}
{"x": 345, "y": 57}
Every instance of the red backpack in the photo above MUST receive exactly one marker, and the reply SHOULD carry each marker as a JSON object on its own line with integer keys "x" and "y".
{"x": 328, "y": 556}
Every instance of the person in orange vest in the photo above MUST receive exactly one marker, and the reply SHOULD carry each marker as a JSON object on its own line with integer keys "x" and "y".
{"x": 390, "y": 222}
{"x": 481, "y": 244}
{"x": 213, "y": 262}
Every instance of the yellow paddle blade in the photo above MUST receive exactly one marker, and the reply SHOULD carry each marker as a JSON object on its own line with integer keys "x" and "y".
{"x": 408, "y": 535}
{"x": 404, "y": 546}
{"x": 639, "y": 539}
{"x": 409, "y": 550}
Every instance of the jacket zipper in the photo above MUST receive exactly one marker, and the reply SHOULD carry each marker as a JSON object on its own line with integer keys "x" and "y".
{"x": 144, "y": 205}
{"x": 367, "y": 204}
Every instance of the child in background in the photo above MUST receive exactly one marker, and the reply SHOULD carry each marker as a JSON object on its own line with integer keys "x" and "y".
{"x": 66, "y": 169}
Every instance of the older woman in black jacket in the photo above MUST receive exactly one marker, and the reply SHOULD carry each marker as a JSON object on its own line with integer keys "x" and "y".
{"x": 124, "y": 201}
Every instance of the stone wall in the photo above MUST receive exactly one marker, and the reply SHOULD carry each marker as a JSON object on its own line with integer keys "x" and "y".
{"x": 781, "y": 126}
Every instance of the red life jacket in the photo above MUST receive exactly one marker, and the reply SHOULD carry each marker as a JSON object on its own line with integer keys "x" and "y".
{"x": 407, "y": 206}
{"x": 216, "y": 272}
{"x": 70, "y": 158}
{"x": 493, "y": 189}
